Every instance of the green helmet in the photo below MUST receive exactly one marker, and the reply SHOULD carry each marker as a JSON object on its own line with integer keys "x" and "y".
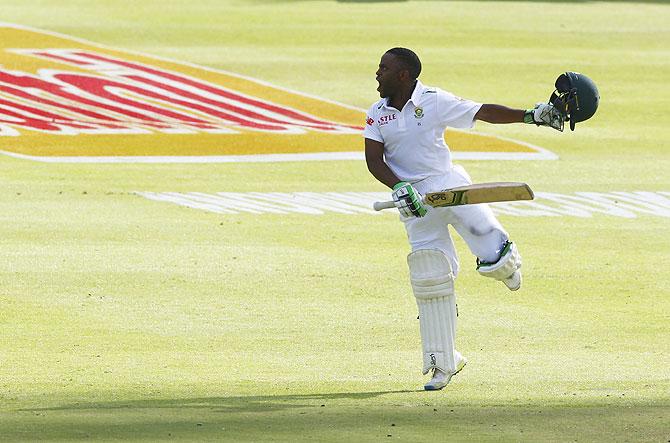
{"x": 576, "y": 96}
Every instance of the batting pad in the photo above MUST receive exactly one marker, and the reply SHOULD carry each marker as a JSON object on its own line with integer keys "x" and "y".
{"x": 509, "y": 261}
{"x": 433, "y": 285}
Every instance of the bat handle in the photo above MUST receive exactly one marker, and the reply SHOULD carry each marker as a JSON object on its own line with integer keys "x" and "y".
{"x": 378, "y": 206}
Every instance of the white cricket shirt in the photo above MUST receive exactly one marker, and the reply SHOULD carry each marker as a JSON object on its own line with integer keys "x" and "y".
{"x": 413, "y": 138}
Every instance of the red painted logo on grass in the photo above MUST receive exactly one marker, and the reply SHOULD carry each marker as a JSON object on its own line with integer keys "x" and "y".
{"x": 121, "y": 96}
{"x": 65, "y": 97}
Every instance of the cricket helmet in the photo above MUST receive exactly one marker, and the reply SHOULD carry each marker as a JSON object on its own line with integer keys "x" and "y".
{"x": 576, "y": 96}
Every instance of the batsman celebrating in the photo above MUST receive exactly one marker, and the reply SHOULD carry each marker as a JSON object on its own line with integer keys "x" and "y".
{"x": 405, "y": 150}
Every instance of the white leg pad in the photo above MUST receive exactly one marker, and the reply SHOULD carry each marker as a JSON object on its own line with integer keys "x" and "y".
{"x": 508, "y": 263}
{"x": 433, "y": 285}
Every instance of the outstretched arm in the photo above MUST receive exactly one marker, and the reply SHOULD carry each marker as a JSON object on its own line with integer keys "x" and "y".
{"x": 543, "y": 114}
{"x": 499, "y": 114}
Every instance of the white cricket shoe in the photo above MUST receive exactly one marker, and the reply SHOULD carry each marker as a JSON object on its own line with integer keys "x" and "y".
{"x": 513, "y": 282}
{"x": 441, "y": 379}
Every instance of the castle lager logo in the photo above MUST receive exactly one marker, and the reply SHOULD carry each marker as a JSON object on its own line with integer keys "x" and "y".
{"x": 126, "y": 97}
{"x": 63, "y": 98}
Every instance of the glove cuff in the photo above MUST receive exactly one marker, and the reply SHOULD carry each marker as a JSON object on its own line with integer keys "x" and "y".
{"x": 399, "y": 185}
{"x": 528, "y": 116}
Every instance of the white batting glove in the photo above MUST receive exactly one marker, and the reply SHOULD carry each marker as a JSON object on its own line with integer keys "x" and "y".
{"x": 545, "y": 114}
{"x": 408, "y": 200}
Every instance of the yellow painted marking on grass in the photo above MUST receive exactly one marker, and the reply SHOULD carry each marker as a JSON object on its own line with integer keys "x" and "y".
{"x": 66, "y": 99}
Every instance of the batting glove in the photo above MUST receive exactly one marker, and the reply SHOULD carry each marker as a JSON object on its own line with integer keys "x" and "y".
{"x": 545, "y": 114}
{"x": 408, "y": 200}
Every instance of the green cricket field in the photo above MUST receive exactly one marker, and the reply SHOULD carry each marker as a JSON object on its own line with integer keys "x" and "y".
{"x": 136, "y": 306}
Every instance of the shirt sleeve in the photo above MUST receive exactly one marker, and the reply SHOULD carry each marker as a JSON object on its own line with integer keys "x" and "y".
{"x": 371, "y": 130}
{"x": 457, "y": 112}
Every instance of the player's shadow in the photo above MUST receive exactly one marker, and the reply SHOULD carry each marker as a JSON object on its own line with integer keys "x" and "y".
{"x": 367, "y": 416}
{"x": 245, "y": 418}
{"x": 233, "y": 418}
{"x": 252, "y": 403}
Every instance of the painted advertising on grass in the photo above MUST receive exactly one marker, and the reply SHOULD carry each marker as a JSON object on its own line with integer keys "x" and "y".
{"x": 63, "y": 99}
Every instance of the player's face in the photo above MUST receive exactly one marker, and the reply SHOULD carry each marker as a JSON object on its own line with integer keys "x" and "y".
{"x": 388, "y": 75}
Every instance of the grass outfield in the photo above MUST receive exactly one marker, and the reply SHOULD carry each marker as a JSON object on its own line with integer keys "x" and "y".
{"x": 124, "y": 318}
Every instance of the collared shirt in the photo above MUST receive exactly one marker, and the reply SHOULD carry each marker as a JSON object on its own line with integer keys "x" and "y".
{"x": 413, "y": 138}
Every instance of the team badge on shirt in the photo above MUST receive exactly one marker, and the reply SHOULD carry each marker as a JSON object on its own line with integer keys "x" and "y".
{"x": 418, "y": 113}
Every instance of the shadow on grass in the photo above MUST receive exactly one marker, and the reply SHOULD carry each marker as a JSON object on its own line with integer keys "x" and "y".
{"x": 361, "y": 416}
{"x": 253, "y": 403}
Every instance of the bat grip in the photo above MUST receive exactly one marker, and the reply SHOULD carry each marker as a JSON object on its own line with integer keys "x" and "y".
{"x": 378, "y": 206}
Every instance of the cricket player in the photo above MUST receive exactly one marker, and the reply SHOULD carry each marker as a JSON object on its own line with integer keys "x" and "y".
{"x": 405, "y": 149}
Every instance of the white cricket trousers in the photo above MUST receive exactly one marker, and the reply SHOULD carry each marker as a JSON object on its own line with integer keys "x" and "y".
{"x": 476, "y": 224}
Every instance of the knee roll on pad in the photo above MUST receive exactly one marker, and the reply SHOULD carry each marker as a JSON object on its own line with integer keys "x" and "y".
{"x": 507, "y": 264}
{"x": 433, "y": 285}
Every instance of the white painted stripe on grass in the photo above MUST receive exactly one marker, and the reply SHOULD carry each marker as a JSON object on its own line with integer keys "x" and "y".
{"x": 546, "y": 204}
{"x": 268, "y": 158}
{"x": 254, "y": 158}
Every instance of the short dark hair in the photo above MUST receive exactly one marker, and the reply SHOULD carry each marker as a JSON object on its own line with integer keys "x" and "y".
{"x": 409, "y": 59}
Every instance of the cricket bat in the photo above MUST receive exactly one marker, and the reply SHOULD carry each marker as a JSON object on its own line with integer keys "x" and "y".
{"x": 472, "y": 194}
